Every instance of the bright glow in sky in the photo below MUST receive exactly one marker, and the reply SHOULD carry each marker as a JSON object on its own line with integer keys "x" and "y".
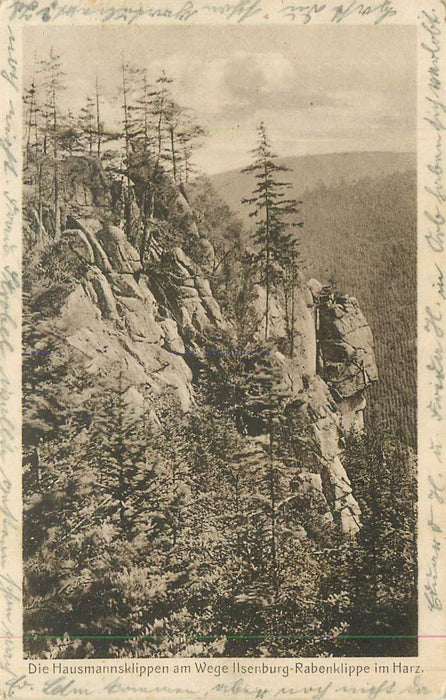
{"x": 318, "y": 89}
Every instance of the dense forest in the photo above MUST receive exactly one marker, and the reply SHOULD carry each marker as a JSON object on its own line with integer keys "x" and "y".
{"x": 190, "y": 488}
{"x": 369, "y": 228}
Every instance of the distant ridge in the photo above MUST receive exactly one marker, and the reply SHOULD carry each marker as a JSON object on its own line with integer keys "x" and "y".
{"x": 311, "y": 171}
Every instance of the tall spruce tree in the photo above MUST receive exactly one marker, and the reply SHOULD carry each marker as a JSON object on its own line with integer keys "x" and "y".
{"x": 274, "y": 241}
{"x": 29, "y": 100}
{"x": 99, "y": 125}
{"x": 52, "y": 83}
{"x": 161, "y": 97}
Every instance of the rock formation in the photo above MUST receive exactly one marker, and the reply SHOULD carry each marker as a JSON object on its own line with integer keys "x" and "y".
{"x": 332, "y": 365}
{"x": 117, "y": 315}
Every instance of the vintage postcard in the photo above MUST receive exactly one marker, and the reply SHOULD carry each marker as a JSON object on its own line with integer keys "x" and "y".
{"x": 222, "y": 339}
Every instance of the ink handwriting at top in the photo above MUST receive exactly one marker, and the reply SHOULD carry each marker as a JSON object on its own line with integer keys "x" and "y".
{"x": 435, "y": 118}
{"x": 239, "y": 10}
{"x": 32, "y": 9}
{"x": 306, "y": 12}
{"x": 381, "y": 11}
{"x": 339, "y": 13}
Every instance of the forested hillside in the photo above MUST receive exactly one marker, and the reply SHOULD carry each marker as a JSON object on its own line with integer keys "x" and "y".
{"x": 362, "y": 234}
{"x": 197, "y": 479}
{"x": 311, "y": 171}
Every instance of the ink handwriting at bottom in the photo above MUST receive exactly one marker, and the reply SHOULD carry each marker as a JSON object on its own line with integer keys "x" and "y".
{"x": 13, "y": 685}
{"x": 238, "y": 689}
{"x": 417, "y": 687}
{"x": 117, "y": 687}
{"x": 387, "y": 688}
{"x": 61, "y": 688}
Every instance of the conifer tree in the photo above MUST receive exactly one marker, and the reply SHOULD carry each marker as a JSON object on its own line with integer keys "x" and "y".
{"x": 173, "y": 114}
{"x": 29, "y": 99}
{"x": 99, "y": 125}
{"x": 87, "y": 125}
{"x": 144, "y": 137}
{"x": 272, "y": 211}
{"x": 52, "y": 84}
{"x": 160, "y": 107}
{"x": 189, "y": 137}
{"x": 127, "y": 123}
{"x": 69, "y": 135}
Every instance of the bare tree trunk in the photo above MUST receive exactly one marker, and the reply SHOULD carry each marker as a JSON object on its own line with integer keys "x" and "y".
{"x": 172, "y": 148}
{"x": 293, "y": 303}
{"x": 272, "y": 495}
{"x": 39, "y": 185}
{"x": 29, "y": 127}
{"x": 146, "y": 116}
{"x": 127, "y": 209}
{"x": 160, "y": 121}
{"x": 142, "y": 248}
{"x": 56, "y": 171}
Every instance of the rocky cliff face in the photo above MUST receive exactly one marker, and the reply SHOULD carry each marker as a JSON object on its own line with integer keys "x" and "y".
{"x": 147, "y": 325}
{"x": 332, "y": 365}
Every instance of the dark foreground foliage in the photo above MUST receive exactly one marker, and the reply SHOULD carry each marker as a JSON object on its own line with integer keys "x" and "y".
{"x": 161, "y": 539}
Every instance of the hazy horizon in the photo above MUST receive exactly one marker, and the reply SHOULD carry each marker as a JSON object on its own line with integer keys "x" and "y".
{"x": 327, "y": 154}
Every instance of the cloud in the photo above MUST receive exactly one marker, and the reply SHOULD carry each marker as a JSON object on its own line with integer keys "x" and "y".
{"x": 321, "y": 89}
{"x": 239, "y": 85}
{"x": 253, "y": 73}
{"x": 256, "y": 82}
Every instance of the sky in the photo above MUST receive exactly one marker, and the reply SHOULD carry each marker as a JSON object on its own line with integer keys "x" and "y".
{"x": 318, "y": 89}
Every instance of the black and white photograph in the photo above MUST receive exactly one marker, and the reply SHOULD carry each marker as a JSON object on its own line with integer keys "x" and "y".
{"x": 219, "y": 341}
